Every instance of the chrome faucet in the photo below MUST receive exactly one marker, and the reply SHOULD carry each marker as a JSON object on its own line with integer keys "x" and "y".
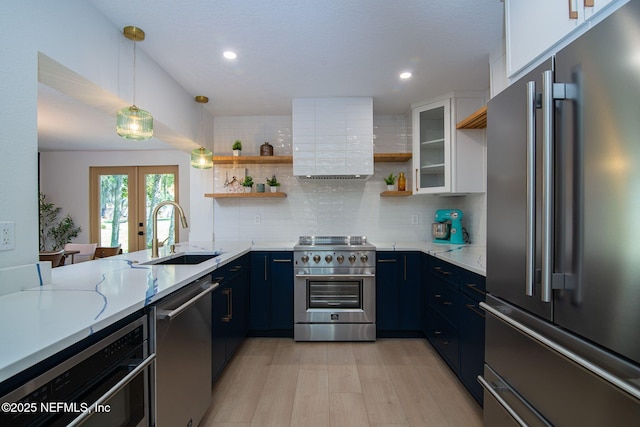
{"x": 154, "y": 215}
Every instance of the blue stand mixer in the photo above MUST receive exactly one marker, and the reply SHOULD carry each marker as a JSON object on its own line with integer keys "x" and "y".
{"x": 448, "y": 227}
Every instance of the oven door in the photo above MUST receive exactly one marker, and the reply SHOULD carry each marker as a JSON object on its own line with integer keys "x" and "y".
{"x": 335, "y": 298}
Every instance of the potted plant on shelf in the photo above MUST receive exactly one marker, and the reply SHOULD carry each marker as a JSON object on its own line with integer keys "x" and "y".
{"x": 390, "y": 181}
{"x": 273, "y": 184}
{"x": 237, "y": 147}
{"x": 247, "y": 183}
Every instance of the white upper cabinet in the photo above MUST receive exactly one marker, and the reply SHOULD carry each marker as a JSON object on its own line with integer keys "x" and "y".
{"x": 447, "y": 160}
{"x": 536, "y": 29}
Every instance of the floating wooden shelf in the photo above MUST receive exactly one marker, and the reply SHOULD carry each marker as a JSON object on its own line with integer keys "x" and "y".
{"x": 391, "y": 157}
{"x": 395, "y": 193}
{"x": 272, "y": 160}
{"x": 477, "y": 120}
{"x": 251, "y": 160}
{"x": 278, "y": 195}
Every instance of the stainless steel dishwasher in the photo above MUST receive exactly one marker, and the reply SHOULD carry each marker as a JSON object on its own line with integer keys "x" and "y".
{"x": 183, "y": 355}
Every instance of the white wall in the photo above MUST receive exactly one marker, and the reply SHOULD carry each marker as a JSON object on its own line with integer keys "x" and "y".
{"x": 328, "y": 206}
{"x": 77, "y": 36}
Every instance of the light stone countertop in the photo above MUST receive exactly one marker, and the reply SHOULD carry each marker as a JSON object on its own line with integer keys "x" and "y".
{"x": 86, "y": 297}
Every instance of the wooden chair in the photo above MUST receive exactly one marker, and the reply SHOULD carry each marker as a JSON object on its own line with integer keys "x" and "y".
{"x": 85, "y": 251}
{"x": 53, "y": 256}
{"x": 107, "y": 251}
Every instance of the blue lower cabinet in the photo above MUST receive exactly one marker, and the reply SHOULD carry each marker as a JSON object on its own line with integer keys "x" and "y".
{"x": 230, "y": 315}
{"x": 471, "y": 345}
{"x": 398, "y": 294}
{"x": 454, "y": 322}
{"x": 271, "y": 294}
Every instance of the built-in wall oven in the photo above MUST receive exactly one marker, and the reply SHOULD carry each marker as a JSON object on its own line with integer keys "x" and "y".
{"x": 104, "y": 384}
{"x": 334, "y": 289}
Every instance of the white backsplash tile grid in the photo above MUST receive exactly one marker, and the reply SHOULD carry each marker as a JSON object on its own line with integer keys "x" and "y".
{"x": 329, "y": 206}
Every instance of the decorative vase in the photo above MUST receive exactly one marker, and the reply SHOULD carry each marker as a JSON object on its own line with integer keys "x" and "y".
{"x": 247, "y": 189}
{"x": 266, "y": 149}
{"x": 274, "y": 189}
{"x": 390, "y": 187}
{"x": 236, "y": 153}
{"x": 402, "y": 182}
{"x": 260, "y": 188}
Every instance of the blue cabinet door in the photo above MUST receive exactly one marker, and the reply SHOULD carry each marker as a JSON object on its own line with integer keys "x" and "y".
{"x": 387, "y": 302}
{"x": 471, "y": 345}
{"x": 409, "y": 290}
{"x": 259, "y": 299}
{"x": 281, "y": 291}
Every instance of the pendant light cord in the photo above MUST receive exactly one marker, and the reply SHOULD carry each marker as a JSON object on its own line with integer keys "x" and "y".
{"x": 134, "y": 72}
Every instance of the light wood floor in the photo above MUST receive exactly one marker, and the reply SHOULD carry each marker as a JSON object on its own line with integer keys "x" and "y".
{"x": 279, "y": 382}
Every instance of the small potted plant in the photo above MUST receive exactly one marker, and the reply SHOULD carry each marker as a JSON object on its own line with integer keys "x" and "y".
{"x": 390, "y": 181}
{"x": 273, "y": 184}
{"x": 247, "y": 183}
{"x": 237, "y": 147}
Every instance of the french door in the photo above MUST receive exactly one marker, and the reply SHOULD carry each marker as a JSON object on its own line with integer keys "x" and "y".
{"x": 122, "y": 200}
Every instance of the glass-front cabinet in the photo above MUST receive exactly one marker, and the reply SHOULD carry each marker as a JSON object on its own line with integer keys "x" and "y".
{"x": 447, "y": 160}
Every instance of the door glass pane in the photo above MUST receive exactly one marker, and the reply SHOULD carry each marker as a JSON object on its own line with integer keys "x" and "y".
{"x": 432, "y": 146}
{"x": 160, "y": 187}
{"x": 114, "y": 211}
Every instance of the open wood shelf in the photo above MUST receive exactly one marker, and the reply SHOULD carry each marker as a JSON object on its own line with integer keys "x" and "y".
{"x": 477, "y": 120}
{"x": 395, "y": 193}
{"x": 391, "y": 157}
{"x": 271, "y": 160}
{"x": 278, "y": 195}
{"x": 251, "y": 160}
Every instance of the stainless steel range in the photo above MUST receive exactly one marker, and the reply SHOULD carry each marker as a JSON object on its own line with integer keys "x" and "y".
{"x": 334, "y": 289}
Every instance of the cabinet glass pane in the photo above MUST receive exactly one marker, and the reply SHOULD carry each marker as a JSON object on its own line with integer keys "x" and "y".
{"x": 432, "y": 135}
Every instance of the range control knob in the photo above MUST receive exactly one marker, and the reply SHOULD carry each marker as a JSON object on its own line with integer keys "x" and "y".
{"x": 328, "y": 258}
{"x": 316, "y": 258}
{"x": 352, "y": 259}
{"x": 305, "y": 258}
{"x": 340, "y": 259}
{"x": 364, "y": 258}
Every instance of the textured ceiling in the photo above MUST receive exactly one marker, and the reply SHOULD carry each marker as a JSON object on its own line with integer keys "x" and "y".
{"x": 311, "y": 48}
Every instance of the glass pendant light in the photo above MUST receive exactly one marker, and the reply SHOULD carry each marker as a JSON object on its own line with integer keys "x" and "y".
{"x": 132, "y": 122}
{"x": 201, "y": 158}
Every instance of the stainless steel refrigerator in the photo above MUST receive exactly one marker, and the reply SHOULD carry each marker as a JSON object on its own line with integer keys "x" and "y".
{"x": 563, "y": 239}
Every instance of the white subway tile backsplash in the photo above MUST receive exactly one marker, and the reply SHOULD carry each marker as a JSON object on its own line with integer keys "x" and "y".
{"x": 329, "y": 206}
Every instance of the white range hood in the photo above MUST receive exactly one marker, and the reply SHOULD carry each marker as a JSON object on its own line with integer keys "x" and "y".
{"x": 332, "y": 137}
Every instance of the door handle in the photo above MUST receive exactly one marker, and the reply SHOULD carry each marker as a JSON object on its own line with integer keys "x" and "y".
{"x": 530, "y": 265}
{"x": 140, "y": 233}
{"x": 547, "y": 185}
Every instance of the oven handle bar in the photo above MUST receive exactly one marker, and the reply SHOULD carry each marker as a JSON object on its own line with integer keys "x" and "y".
{"x": 339, "y": 276}
{"x": 113, "y": 390}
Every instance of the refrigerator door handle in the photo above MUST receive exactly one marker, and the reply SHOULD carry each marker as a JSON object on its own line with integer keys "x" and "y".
{"x": 547, "y": 186}
{"x": 495, "y": 394}
{"x": 531, "y": 190}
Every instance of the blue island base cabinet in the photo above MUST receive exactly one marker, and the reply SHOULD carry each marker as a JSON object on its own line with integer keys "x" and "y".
{"x": 230, "y": 315}
{"x": 271, "y": 294}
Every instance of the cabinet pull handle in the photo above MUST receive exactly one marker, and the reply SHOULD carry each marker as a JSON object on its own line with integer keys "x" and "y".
{"x": 447, "y": 303}
{"x": 475, "y": 310}
{"x": 437, "y": 296}
{"x": 281, "y": 260}
{"x": 265, "y": 268}
{"x": 441, "y": 271}
{"x": 588, "y": 3}
{"x": 229, "y": 316}
{"x": 417, "y": 180}
{"x": 573, "y": 14}
{"x": 386, "y": 260}
{"x": 437, "y": 333}
{"x": 472, "y": 286}
{"x": 235, "y": 268}
{"x": 405, "y": 268}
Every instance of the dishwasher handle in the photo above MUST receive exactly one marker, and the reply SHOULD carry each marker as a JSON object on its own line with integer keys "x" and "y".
{"x": 171, "y": 314}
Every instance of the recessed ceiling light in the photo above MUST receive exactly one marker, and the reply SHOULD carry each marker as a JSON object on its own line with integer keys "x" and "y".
{"x": 230, "y": 55}
{"x": 405, "y": 75}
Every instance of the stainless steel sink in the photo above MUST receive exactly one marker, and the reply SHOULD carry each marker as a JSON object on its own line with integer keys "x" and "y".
{"x": 183, "y": 259}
